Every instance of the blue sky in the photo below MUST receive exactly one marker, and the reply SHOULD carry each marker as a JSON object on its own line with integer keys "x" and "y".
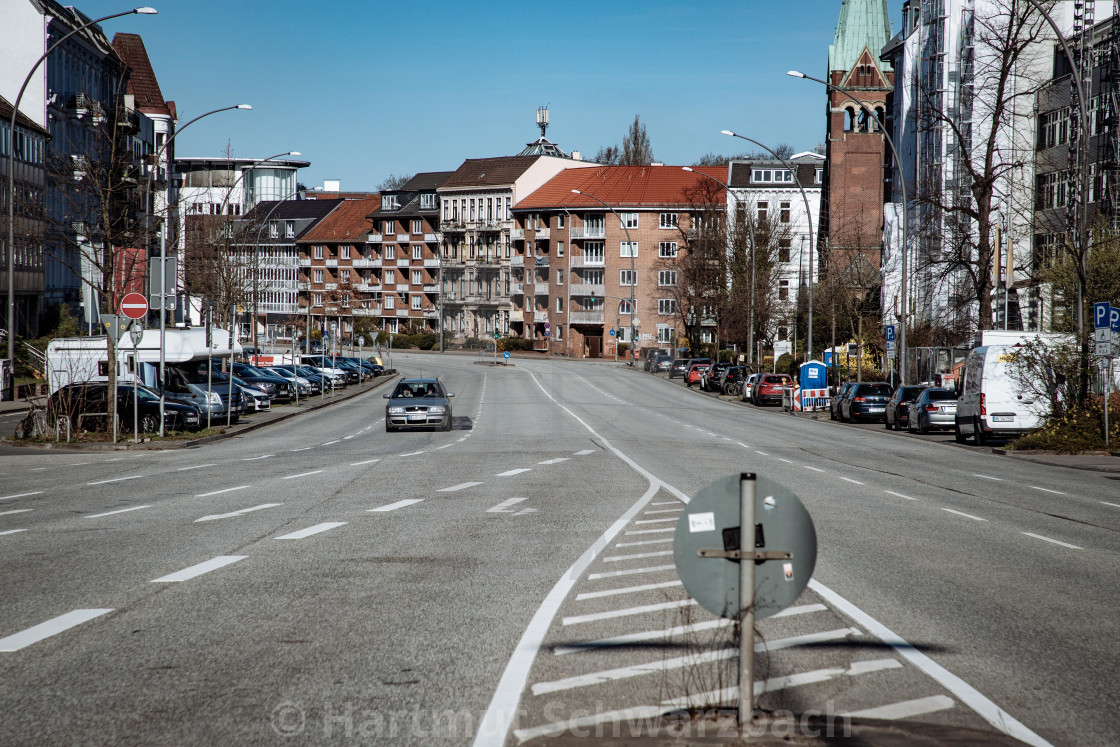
{"x": 366, "y": 89}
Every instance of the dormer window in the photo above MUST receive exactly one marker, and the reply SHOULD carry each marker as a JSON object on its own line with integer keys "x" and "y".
{"x": 428, "y": 201}
{"x": 390, "y": 202}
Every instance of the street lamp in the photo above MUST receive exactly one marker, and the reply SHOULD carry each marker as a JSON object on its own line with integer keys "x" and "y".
{"x": 633, "y": 276}
{"x": 808, "y": 217}
{"x": 905, "y": 209}
{"x": 145, "y": 11}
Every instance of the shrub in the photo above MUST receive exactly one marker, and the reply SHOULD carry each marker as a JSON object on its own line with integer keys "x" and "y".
{"x": 1079, "y": 429}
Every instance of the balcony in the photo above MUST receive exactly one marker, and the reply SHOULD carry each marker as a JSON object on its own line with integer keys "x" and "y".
{"x": 586, "y": 317}
{"x": 363, "y": 262}
{"x": 431, "y": 287}
{"x": 587, "y": 289}
{"x": 331, "y": 262}
{"x": 374, "y": 238}
{"x": 404, "y": 262}
{"x": 305, "y": 261}
{"x": 367, "y": 288}
{"x": 452, "y": 226}
{"x": 371, "y": 311}
{"x": 517, "y": 315}
{"x": 431, "y": 262}
{"x": 540, "y": 261}
{"x": 589, "y": 232}
{"x": 517, "y": 260}
{"x": 431, "y": 238}
{"x": 488, "y": 226}
{"x": 330, "y": 286}
{"x": 517, "y": 289}
{"x": 431, "y": 312}
{"x": 542, "y": 316}
{"x": 579, "y": 260}
{"x": 517, "y": 234}
{"x": 401, "y": 287}
{"x": 402, "y": 312}
{"x": 543, "y": 234}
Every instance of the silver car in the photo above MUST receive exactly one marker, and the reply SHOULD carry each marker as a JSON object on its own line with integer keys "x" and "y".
{"x": 933, "y": 409}
{"x": 418, "y": 403}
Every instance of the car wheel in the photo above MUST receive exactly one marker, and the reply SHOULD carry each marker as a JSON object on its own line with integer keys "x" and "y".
{"x": 910, "y": 425}
{"x": 886, "y": 423}
{"x": 149, "y": 424}
{"x": 831, "y": 414}
{"x": 981, "y": 439}
{"x": 921, "y": 428}
{"x": 957, "y": 435}
{"x": 447, "y": 424}
{"x": 389, "y": 428}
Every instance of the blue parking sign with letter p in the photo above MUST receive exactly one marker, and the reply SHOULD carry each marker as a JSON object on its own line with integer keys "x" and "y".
{"x": 1101, "y": 313}
{"x": 890, "y": 333}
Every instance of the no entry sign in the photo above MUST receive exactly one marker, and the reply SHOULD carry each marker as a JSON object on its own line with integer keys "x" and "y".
{"x": 134, "y": 306}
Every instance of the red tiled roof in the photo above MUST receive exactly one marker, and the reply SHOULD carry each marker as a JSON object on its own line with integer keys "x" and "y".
{"x": 623, "y": 186}
{"x": 347, "y": 222}
{"x": 142, "y": 82}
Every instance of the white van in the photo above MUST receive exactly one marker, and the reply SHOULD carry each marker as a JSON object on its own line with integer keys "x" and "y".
{"x": 991, "y": 404}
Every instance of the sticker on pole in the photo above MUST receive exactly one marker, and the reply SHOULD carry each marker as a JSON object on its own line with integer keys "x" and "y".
{"x": 783, "y": 532}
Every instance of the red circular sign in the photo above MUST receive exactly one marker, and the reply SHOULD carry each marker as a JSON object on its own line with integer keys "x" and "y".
{"x": 134, "y": 306}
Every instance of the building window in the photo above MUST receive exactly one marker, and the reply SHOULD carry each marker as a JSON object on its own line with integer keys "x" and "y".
{"x": 416, "y": 299}
{"x": 664, "y": 334}
{"x": 417, "y": 277}
{"x": 344, "y": 276}
{"x": 560, "y": 220}
{"x": 289, "y": 229}
{"x": 559, "y": 277}
{"x": 627, "y": 277}
{"x": 318, "y": 252}
{"x": 345, "y": 252}
{"x": 763, "y": 210}
{"x": 390, "y": 251}
{"x": 559, "y": 305}
{"x": 667, "y": 277}
{"x": 389, "y": 227}
{"x": 273, "y": 230}
{"x": 318, "y": 276}
{"x": 667, "y": 220}
{"x": 783, "y": 212}
{"x": 818, "y": 176}
{"x": 559, "y": 247}
{"x": 624, "y": 307}
{"x": 417, "y": 225}
{"x": 769, "y": 176}
{"x": 783, "y": 290}
{"x": 666, "y": 306}
{"x": 667, "y": 249}
{"x": 783, "y": 250}
{"x": 472, "y": 209}
{"x": 346, "y": 299}
{"x": 418, "y": 252}
{"x": 628, "y": 249}
{"x": 629, "y": 220}
{"x": 428, "y": 202}
{"x": 593, "y": 253}
{"x": 390, "y": 300}
{"x": 508, "y": 216}
{"x": 390, "y": 202}
{"x": 318, "y": 299}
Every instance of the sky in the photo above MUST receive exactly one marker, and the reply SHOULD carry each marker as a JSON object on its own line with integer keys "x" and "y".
{"x": 365, "y": 89}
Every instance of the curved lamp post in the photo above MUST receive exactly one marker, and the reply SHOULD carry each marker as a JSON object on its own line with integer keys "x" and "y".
{"x": 12, "y": 177}
{"x": 633, "y": 273}
{"x": 905, "y": 210}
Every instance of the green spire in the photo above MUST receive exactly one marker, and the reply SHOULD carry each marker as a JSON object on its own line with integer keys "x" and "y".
{"x": 863, "y": 23}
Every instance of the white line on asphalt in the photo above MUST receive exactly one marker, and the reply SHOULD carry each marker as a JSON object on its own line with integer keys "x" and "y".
{"x": 464, "y": 438}
{"x": 1056, "y": 542}
{"x": 585, "y": 452}
{"x": 526, "y": 511}
{"x": 460, "y": 486}
{"x": 611, "y": 614}
{"x": 1114, "y": 505}
{"x": 511, "y": 472}
{"x": 616, "y": 558}
{"x": 962, "y": 513}
{"x": 253, "y": 459}
{"x": 740, "y": 443}
{"x": 13, "y": 531}
{"x": 967, "y": 694}
{"x": 118, "y": 511}
{"x": 16, "y": 511}
{"x": 907, "y": 708}
{"x": 347, "y": 438}
{"x": 899, "y": 495}
{"x": 626, "y": 590}
{"x": 787, "y": 461}
{"x": 555, "y": 461}
{"x": 20, "y": 495}
{"x": 635, "y": 715}
{"x": 54, "y": 626}
{"x": 647, "y": 635}
{"x": 305, "y": 448}
{"x": 197, "y": 466}
{"x": 115, "y": 479}
{"x": 666, "y": 503}
{"x": 609, "y": 675}
{"x": 651, "y": 531}
{"x": 219, "y": 492}
{"x": 655, "y": 521}
{"x": 504, "y": 506}
{"x": 643, "y": 542}
{"x": 368, "y": 461}
{"x": 800, "y": 609}
{"x": 332, "y": 443}
{"x": 118, "y": 459}
{"x": 630, "y": 572}
{"x": 301, "y": 474}
{"x": 398, "y": 504}
{"x": 1046, "y": 490}
{"x": 989, "y": 477}
{"x": 664, "y": 511}
{"x": 763, "y": 453}
{"x": 78, "y": 464}
{"x": 231, "y": 514}
{"x": 197, "y": 570}
{"x": 311, "y": 530}
{"x": 806, "y": 466}
{"x": 848, "y": 479}
{"x": 445, "y": 446}
{"x": 412, "y": 453}
{"x": 36, "y": 469}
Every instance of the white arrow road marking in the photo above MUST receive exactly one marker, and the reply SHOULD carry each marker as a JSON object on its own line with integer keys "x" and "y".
{"x": 398, "y": 504}
{"x": 504, "y": 506}
{"x": 118, "y": 511}
{"x": 460, "y": 486}
{"x": 311, "y": 530}
{"x": 197, "y": 570}
{"x": 231, "y": 514}
{"x": 54, "y": 626}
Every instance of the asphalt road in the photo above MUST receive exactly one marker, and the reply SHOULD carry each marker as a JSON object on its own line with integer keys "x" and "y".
{"x": 322, "y": 581}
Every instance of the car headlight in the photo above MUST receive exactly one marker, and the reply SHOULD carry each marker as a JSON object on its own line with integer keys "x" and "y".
{"x": 396, "y": 411}
{"x": 213, "y": 398}
{"x": 437, "y": 410}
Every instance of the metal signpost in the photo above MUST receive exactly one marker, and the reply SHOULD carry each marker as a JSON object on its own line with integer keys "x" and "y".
{"x": 708, "y": 552}
{"x": 162, "y": 284}
{"x": 136, "y": 331}
{"x": 1106, "y": 326}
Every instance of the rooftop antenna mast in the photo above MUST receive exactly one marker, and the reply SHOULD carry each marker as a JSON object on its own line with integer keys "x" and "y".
{"x": 542, "y": 119}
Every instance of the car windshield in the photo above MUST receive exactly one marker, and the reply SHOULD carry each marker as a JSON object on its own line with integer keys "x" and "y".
{"x": 407, "y": 389}
{"x": 774, "y": 379}
{"x": 911, "y": 392}
{"x": 143, "y": 393}
{"x": 875, "y": 390}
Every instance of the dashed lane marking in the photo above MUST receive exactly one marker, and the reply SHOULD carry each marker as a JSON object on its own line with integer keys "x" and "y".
{"x": 504, "y": 506}
{"x": 596, "y": 616}
{"x": 16, "y": 511}
{"x": 512, "y": 472}
{"x": 848, "y": 479}
{"x": 815, "y": 469}
{"x": 899, "y": 495}
{"x": 118, "y": 511}
{"x": 115, "y": 479}
{"x": 197, "y": 466}
{"x": 585, "y": 452}
{"x": 989, "y": 477}
{"x": 555, "y": 461}
{"x": 1046, "y": 490}
{"x": 12, "y": 531}
{"x": 398, "y": 504}
{"x": 242, "y": 512}
{"x": 1054, "y": 541}
{"x": 20, "y": 495}
{"x": 219, "y": 492}
{"x": 253, "y": 459}
{"x": 460, "y": 486}
{"x": 368, "y": 461}
{"x": 51, "y": 627}
{"x": 197, "y": 570}
{"x": 962, "y": 513}
{"x": 325, "y": 526}
{"x": 301, "y": 474}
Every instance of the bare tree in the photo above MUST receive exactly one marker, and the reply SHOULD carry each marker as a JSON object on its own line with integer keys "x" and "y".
{"x": 696, "y": 277}
{"x": 608, "y": 156}
{"x": 393, "y": 182}
{"x": 636, "y": 147}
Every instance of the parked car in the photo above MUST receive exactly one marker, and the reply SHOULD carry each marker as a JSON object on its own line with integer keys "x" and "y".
{"x": 694, "y": 372}
{"x": 730, "y": 377}
{"x": 86, "y": 405}
{"x": 709, "y": 381}
{"x": 662, "y": 364}
{"x": 277, "y": 388}
{"x": 934, "y": 409}
{"x": 748, "y": 386}
{"x": 302, "y": 385}
{"x": 324, "y": 364}
{"x": 678, "y": 368}
{"x": 418, "y": 403}
{"x": 214, "y": 402}
{"x": 768, "y": 387}
{"x": 991, "y": 404}
{"x": 866, "y": 400}
{"x": 837, "y": 398}
{"x": 897, "y": 414}
{"x": 650, "y": 356}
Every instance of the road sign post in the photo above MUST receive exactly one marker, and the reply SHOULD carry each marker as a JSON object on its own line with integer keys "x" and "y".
{"x": 136, "y": 331}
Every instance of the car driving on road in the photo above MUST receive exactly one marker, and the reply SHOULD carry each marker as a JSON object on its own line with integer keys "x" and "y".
{"x": 418, "y": 403}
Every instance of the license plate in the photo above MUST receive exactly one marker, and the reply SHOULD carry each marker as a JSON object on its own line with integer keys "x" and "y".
{"x": 1003, "y": 418}
{"x": 417, "y": 417}
{"x": 876, "y": 409}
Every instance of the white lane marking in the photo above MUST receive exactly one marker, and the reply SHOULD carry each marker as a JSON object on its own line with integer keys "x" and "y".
{"x": 630, "y": 572}
{"x": 118, "y": 459}
{"x": 197, "y": 466}
{"x": 989, "y": 477}
{"x": 412, "y": 453}
{"x": 650, "y": 531}
{"x": 20, "y": 495}
{"x": 962, "y": 513}
{"x": 16, "y": 511}
{"x": 637, "y": 670}
{"x": 326, "y": 525}
{"x": 1056, "y": 542}
{"x": 118, "y": 511}
{"x": 460, "y": 486}
{"x": 611, "y": 614}
{"x": 504, "y": 506}
{"x": 115, "y": 479}
{"x": 666, "y": 503}
{"x": 585, "y": 452}
{"x": 197, "y": 570}
{"x": 664, "y": 511}
{"x": 1114, "y": 505}
{"x": 555, "y": 461}
{"x": 647, "y": 635}
{"x": 815, "y": 469}
{"x": 512, "y": 472}
{"x": 368, "y": 461}
{"x": 635, "y": 715}
{"x": 242, "y": 512}
{"x": 219, "y": 492}
{"x": 643, "y": 542}
{"x": 36, "y": 469}
{"x": 524, "y": 511}
{"x": 899, "y": 495}
{"x": 616, "y": 558}
{"x": 398, "y": 504}
{"x": 1046, "y": 490}
{"x": 907, "y": 708}
{"x": 253, "y": 459}
{"x": 13, "y": 531}
{"x": 347, "y": 438}
{"x": 305, "y": 448}
{"x": 464, "y": 438}
{"x": 301, "y": 474}
{"x": 626, "y": 590}
{"x": 965, "y": 692}
{"x": 78, "y": 464}
{"x": 763, "y": 453}
{"x": 848, "y": 479}
{"x": 787, "y": 461}
{"x": 654, "y": 521}
{"x": 445, "y": 446}
{"x": 740, "y": 443}
{"x": 332, "y": 443}
{"x": 54, "y": 626}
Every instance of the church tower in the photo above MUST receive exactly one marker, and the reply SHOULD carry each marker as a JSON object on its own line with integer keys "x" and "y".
{"x": 853, "y": 188}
